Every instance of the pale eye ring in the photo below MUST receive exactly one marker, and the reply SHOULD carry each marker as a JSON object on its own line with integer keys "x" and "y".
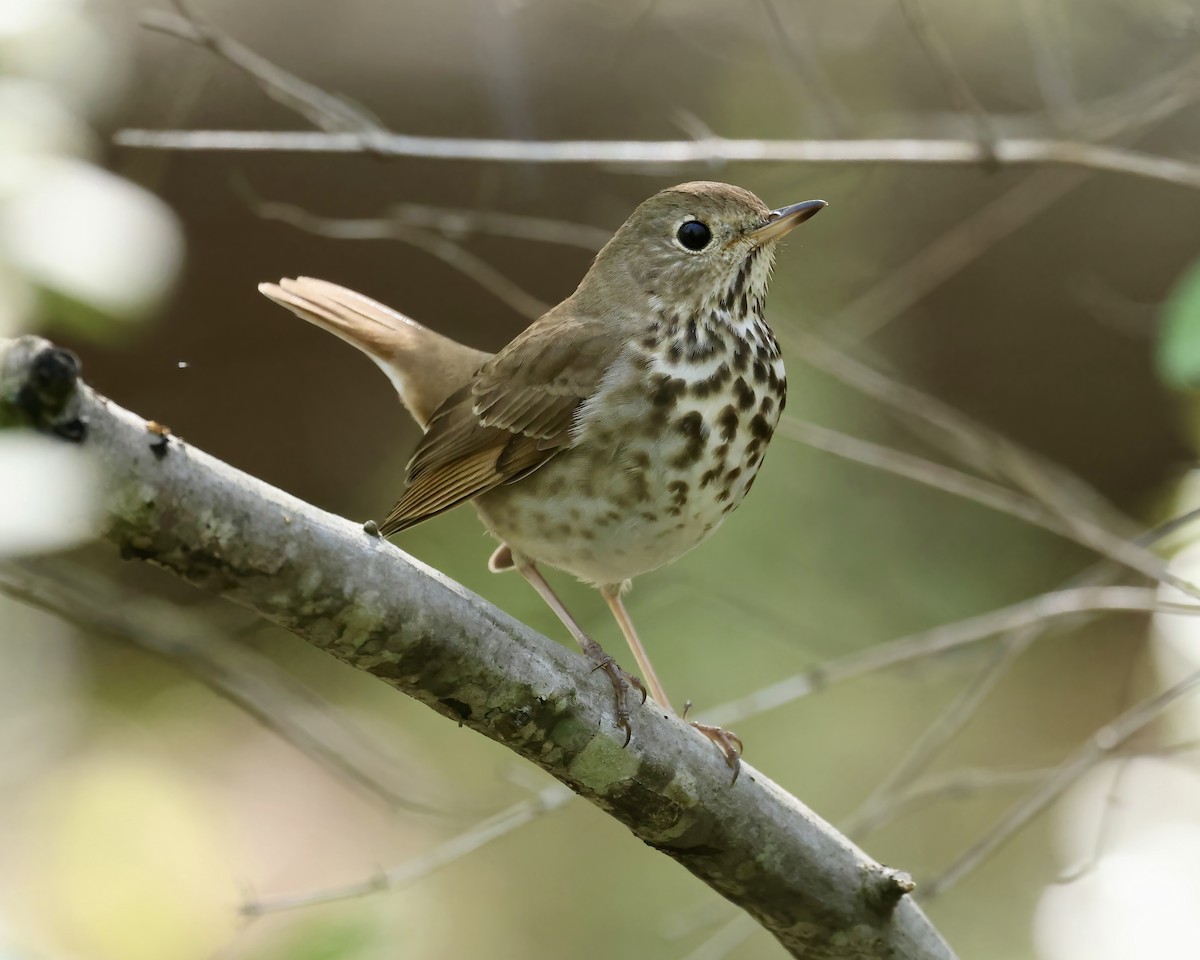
{"x": 693, "y": 235}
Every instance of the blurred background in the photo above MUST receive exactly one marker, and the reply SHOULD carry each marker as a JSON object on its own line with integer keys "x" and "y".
{"x": 139, "y": 810}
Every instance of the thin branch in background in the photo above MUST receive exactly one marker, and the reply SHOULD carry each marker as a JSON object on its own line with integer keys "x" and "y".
{"x": 949, "y": 253}
{"x": 880, "y": 808}
{"x": 1146, "y": 104}
{"x": 417, "y": 868}
{"x": 324, "y": 111}
{"x": 883, "y": 804}
{"x": 1084, "y": 514}
{"x": 649, "y": 156}
{"x": 967, "y": 240}
{"x": 1103, "y": 828}
{"x": 800, "y": 54}
{"x": 231, "y": 671}
{"x": 939, "y": 55}
{"x": 446, "y": 250}
{"x": 1047, "y": 606}
{"x": 728, "y": 938}
{"x": 952, "y": 785}
{"x": 1103, "y": 743}
{"x": 1041, "y": 19}
{"x": 333, "y": 115}
{"x": 456, "y": 223}
{"x": 935, "y": 475}
{"x": 704, "y": 914}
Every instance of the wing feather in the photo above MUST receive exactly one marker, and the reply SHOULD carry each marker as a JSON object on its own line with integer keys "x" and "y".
{"x": 511, "y": 419}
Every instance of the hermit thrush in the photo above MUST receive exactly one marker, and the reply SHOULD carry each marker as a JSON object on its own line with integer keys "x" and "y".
{"x": 619, "y": 429}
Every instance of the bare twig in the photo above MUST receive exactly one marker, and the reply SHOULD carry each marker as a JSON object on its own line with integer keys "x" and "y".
{"x": 949, "y": 253}
{"x": 1084, "y": 515}
{"x": 927, "y": 472}
{"x": 887, "y": 799}
{"x": 232, "y": 671}
{"x": 649, "y": 154}
{"x": 503, "y": 823}
{"x": 1104, "y": 742}
{"x": 880, "y": 807}
{"x": 346, "y": 128}
{"x": 802, "y": 54}
{"x": 366, "y": 603}
{"x": 952, "y": 785}
{"x": 1050, "y": 51}
{"x": 326, "y": 112}
{"x": 940, "y": 56}
{"x": 725, "y": 940}
{"x": 1047, "y": 606}
{"x": 445, "y": 249}
{"x": 457, "y": 223}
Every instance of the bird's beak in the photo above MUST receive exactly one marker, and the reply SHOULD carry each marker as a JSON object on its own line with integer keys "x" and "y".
{"x": 781, "y": 221}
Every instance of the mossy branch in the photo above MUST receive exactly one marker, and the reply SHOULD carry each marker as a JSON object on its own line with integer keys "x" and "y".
{"x": 376, "y": 609}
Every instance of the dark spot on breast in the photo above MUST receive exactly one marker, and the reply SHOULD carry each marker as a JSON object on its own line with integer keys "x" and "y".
{"x": 733, "y": 474}
{"x": 760, "y": 372}
{"x": 691, "y": 425}
{"x": 739, "y": 283}
{"x": 767, "y": 404}
{"x": 745, "y": 395}
{"x": 648, "y": 516}
{"x": 741, "y": 355}
{"x": 727, "y": 422}
{"x": 679, "y": 491}
{"x": 639, "y": 488}
{"x": 640, "y": 459}
{"x": 707, "y": 477}
{"x": 675, "y": 353}
{"x": 743, "y": 305}
{"x": 713, "y": 382}
{"x": 760, "y": 427}
{"x": 667, "y": 390}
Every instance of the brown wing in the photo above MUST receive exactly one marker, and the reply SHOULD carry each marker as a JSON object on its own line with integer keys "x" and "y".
{"x": 513, "y": 417}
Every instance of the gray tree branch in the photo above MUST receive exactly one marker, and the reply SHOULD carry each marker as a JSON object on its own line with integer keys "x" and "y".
{"x": 370, "y": 605}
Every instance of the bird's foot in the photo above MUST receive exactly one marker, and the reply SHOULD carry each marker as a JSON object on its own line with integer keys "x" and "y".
{"x": 728, "y": 742}
{"x": 621, "y": 682}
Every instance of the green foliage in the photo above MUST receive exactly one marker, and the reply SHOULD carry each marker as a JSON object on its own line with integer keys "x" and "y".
{"x": 1179, "y": 339}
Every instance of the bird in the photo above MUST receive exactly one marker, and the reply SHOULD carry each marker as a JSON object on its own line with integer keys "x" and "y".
{"x": 620, "y": 428}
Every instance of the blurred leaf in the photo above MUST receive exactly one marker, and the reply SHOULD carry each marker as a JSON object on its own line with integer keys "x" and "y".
{"x": 48, "y": 494}
{"x": 1179, "y": 340}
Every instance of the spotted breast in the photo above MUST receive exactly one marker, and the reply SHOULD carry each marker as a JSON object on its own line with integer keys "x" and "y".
{"x": 665, "y": 449}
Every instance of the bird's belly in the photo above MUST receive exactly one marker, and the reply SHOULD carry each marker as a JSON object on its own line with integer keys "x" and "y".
{"x": 632, "y": 496}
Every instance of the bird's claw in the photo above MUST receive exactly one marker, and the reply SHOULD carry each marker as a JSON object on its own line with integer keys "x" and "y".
{"x": 621, "y": 682}
{"x": 728, "y": 742}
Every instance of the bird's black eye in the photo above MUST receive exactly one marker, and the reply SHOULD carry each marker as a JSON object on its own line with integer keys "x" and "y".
{"x": 694, "y": 235}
